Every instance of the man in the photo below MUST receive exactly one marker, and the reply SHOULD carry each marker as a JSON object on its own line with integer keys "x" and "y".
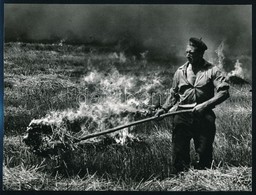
{"x": 193, "y": 88}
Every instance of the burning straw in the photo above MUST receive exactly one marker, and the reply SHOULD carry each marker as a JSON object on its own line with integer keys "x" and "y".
{"x": 118, "y": 153}
{"x": 124, "y": 153}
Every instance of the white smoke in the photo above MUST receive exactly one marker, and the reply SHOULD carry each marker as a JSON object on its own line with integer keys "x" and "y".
{"x": 238, "y": 71}
{"x": 220, "y": 55}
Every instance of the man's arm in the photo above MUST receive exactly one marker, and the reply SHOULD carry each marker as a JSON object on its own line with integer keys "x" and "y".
{"x": 219, "y": 97}
{"x": 172, "y": 98}
{"x": 219, "y": 82}
{"x": 169, "y": 103}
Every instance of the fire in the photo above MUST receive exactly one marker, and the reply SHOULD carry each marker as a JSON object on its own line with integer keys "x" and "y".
{"x": 119, "y": 56}
{"x": 239, "y": 72}
{"x": 220, "y": 55}
{"x": 93, "y": 77}
{"x": 108, "y": 112}
{"x": 61, "y": 42}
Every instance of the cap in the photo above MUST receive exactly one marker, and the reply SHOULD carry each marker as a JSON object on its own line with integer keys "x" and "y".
{"x": 198, "y": 43}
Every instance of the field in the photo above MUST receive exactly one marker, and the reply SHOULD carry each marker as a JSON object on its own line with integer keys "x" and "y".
{"x": 81, "y": 89}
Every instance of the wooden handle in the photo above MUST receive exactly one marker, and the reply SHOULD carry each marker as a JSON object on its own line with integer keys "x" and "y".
{"x": 131, "y": 124}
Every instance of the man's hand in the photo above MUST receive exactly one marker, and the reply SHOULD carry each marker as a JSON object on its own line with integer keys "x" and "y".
{"x": 160, "y": 112}
{"x": 200, "y": 108}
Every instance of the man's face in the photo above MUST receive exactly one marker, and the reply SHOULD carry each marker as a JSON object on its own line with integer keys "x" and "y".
{"x": 193, "y": 55}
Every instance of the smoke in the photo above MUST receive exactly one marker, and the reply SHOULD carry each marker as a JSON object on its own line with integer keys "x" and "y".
{"x": 231, "y": 66}
{"x": 220, "y": 54}
{"x": 161, "y": 29}
{"x": 238, "y": 71}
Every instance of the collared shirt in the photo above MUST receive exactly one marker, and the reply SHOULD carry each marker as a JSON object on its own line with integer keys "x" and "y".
{"x": 207, "y": 80}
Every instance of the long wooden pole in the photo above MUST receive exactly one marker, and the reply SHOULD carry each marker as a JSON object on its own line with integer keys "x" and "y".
{"x": 131, "y": 124}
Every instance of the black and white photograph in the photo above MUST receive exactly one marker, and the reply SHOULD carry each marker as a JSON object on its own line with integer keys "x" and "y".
{"x": 127, "y": 97}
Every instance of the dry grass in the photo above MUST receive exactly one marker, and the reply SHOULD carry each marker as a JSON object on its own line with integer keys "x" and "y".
{"x": 228, "y": 179}
{"x": 23, "y": 178}
{"x": 41, "y": 78}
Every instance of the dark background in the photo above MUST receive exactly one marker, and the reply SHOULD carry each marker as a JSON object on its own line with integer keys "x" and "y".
{"x": 163, "y": 30}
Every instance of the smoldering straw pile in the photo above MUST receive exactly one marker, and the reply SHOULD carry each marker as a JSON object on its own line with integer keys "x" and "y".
{"x": 54, "y": 135}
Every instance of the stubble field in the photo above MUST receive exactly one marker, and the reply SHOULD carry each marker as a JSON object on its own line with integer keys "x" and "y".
{"x": 78, "y": 90}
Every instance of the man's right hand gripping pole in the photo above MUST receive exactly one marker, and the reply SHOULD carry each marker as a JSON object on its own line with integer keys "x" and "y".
{"x": 159, "y": 113}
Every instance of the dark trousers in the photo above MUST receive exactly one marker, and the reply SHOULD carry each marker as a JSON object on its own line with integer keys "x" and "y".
{"x": 202, "y": 130}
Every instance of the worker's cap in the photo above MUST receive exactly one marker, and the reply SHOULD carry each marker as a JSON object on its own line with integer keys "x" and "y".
{"x": 197, "y": 43}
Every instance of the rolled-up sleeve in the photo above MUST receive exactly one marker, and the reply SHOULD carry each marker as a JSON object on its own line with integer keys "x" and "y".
{"x": 219, "y": 80}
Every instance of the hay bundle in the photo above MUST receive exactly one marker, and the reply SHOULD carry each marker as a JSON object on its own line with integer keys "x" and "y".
{"x": 61, "y": 130}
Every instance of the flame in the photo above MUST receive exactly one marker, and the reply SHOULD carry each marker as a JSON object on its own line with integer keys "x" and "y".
{"x": 110, "y": 111}
{"x": 123, "y": 137}
{"x": 238, "y": 71}
{"x": 220, "y": 55}
{"x": 144, "y": 54}
{"x": 121, "y": 56}
{"x": 61, "y": 42}
{"x": 92, "y": 77}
